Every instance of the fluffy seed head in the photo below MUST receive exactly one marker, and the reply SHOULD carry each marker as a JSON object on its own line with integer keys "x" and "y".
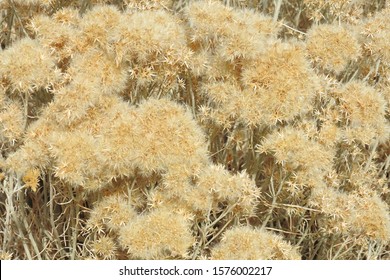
{"x": 309, "y": 160}
{"x": 33, "y": 70}
{"x": 12, "y": 121}
{"x": 170, "y": 137}
{"x": 62, "y": 42}
{"x": 377, "y": 31}
{"x": 76, "y": 157}
{"x": 104, "y": 247}
{"x": 364, "y": 110}
{"x": 246, "y": 243}
{"x": 160, "y": 234}
{"x": 113, "y": 212}
{"x": 283, "y": 81}
{"x": 352, "y": 213}
{"x": 332, "y": 46}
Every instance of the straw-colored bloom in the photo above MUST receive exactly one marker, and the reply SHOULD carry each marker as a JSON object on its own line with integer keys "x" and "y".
{"x": 34, "y": 70}
{"x": 104, "y": 247}
{"x": 308, "y": 160}
{"x": 283, "y": 81}
{"x": 12, "y": 122}
{"x": 377, "y": 31}
{"x": 246, "y": 243}
{"x": 332, "y": 46}
{"x": 112, "y": 212}
{"x": 363, "y": 110}
{"x": 159, "y": 234}
{"x": 352, "y": 213}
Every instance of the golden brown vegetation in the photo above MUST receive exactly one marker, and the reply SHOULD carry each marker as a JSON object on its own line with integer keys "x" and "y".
{"x": 161, "y": 129}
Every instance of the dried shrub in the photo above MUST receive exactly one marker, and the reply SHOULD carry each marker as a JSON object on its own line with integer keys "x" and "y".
{"x": 159, "y": 129}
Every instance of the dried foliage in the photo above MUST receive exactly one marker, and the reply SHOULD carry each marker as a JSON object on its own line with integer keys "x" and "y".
{"x": 160, "y": 129}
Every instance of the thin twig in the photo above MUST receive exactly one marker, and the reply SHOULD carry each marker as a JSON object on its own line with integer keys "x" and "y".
{"x": 294, "y": 29}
